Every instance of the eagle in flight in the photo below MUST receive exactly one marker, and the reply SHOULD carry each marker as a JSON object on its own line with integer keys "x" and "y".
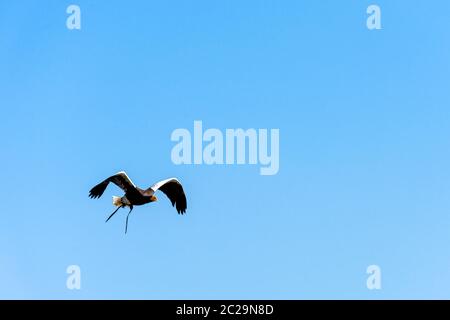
{"x": 135, "y": 196}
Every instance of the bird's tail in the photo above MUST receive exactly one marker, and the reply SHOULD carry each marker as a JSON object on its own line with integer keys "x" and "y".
{"x": 117, "y": 201}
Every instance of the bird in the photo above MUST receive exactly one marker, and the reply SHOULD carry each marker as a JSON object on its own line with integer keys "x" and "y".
{"x": 135, "y": 196}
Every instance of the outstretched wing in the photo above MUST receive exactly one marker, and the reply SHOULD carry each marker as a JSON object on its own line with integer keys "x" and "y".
{"x": 120, "y": 179}
{"x": 173, "y": 189}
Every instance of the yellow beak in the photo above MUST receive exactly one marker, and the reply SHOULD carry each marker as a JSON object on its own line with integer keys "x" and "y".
{"x": 153, "y": 198}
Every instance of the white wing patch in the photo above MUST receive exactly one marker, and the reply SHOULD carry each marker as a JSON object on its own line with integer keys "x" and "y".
{"x": 124, "y": 175}
{"x": 159, "y": 184}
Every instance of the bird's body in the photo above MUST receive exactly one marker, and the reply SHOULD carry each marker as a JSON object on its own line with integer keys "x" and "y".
{"x": 135, "y": 196}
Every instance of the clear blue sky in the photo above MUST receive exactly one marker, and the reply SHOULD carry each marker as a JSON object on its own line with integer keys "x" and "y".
{"x": 364, "y": 119}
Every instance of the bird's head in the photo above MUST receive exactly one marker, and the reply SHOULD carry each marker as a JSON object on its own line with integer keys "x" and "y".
{"x": 153, "y": 199}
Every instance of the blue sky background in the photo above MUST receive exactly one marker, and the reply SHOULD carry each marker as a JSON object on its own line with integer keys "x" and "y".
{"x": 364, "y": 123}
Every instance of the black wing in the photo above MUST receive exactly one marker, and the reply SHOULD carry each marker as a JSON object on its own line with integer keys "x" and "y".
{"x": 120, "y": 179}
{"x": 173, "y": 189}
